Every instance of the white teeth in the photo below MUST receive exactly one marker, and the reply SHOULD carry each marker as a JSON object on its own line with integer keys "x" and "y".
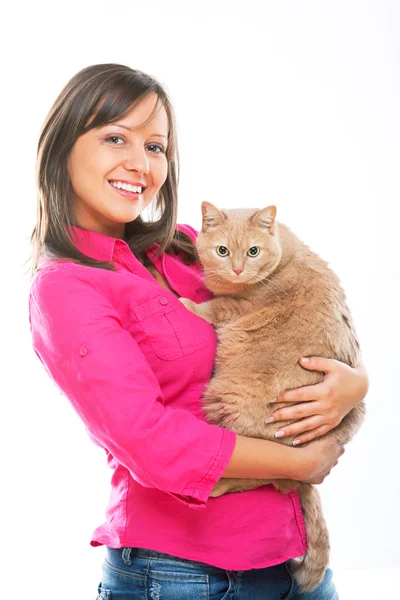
{"x": 136, "y": 189}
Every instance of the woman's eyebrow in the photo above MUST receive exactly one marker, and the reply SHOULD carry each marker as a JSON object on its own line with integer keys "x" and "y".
{"x": 130, "y": 129}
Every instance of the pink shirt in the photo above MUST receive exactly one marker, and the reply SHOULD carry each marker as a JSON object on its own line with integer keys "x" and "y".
{"x": 133, "y": 362}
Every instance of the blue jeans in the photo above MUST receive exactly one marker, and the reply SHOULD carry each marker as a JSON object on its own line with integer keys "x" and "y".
{"x": 140, "y": 574}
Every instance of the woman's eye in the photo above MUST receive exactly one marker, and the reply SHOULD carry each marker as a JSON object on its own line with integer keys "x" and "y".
{"x": 160, "y": 148}
{"x": 253, "y": 251}
{"x": 114, "y": 137}
{"x": 222, "y": 251}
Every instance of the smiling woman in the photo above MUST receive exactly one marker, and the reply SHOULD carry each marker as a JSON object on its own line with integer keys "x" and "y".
{"x": 109, "y": 123}
{"x": 103, "y": 156}
{"x": 108, "y": 326}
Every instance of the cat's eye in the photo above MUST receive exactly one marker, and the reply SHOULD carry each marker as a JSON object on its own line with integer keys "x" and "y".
{"x": 222, "y": 251}
{"x": 253, "y": 251}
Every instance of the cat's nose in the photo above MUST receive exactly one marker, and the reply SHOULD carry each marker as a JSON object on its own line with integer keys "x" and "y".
{"x": 238, "y": 270}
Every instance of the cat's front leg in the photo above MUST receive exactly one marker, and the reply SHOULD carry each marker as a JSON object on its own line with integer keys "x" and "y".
{"x": 201, "y": 310}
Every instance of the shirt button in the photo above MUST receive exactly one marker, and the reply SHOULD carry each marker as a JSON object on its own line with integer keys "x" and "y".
{"x": 83, "y": 351}
{"x": 163, "y": 301}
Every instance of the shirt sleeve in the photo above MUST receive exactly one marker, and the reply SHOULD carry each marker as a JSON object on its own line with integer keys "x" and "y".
{"x": 97, "y": 364}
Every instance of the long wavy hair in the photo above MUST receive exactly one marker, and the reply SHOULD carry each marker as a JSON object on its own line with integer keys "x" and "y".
{"x": 120, "y": 89}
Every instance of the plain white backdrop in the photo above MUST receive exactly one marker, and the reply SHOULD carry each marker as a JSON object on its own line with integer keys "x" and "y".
{"x": 289, "y": 102}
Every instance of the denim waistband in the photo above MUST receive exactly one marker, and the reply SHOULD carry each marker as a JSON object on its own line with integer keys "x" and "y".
{"x": 128, "y": 552}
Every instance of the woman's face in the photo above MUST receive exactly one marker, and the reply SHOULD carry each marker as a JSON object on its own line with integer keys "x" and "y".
{"x": 118, "y": 154}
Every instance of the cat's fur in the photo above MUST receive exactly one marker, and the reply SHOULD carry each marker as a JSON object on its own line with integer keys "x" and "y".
{"x": 285, "y": 304}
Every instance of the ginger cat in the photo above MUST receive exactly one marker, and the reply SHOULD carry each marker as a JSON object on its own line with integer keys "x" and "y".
{"x": 274, "y": 301}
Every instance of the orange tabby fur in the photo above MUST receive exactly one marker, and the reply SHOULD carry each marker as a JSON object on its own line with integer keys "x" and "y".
{"x": 286, "y": 303}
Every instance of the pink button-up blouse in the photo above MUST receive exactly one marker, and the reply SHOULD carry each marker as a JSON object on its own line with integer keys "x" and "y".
{"x": 134, "y": 362}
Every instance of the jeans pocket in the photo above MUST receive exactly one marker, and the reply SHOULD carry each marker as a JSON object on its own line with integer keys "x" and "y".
{"x": 128, "y": 582}
{"x": 220, "y": 585}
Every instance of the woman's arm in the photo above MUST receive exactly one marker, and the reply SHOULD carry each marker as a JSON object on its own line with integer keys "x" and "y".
{"x": 323, "y": 405}
{"x": 80, "y": 338}
{"x": 254, "y": 458}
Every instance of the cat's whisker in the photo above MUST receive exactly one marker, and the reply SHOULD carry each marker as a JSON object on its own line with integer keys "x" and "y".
{"x": 277, "y": 296}
{"x": 272, "y": 280}
{"x": 276, "y": 288}
{"x": 215, "y": 276}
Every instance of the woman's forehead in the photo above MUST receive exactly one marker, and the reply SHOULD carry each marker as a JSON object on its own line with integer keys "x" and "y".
{"x": 149, "y": 109}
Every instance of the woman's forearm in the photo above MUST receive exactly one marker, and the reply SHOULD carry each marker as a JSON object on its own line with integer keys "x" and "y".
{"x": 254, "y": 458}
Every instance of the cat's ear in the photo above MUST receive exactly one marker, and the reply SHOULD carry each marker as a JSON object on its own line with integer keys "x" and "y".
{"x": 265, "y": 218}
{"x": 212, "y": 216}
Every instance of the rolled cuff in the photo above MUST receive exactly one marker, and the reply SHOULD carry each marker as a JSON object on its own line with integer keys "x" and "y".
{"x": 197, "y": 497}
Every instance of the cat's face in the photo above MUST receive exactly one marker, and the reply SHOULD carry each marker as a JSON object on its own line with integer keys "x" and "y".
{"x": 237, "y": 246}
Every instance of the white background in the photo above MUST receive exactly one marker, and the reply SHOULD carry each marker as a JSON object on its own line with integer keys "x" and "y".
{"x": 290, "y": 102}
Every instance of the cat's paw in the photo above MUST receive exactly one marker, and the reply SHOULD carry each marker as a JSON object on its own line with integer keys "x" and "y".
{"x": 220, "y": 488}
{"x": 200, "y": 310}
{"x": 189, "y": 304}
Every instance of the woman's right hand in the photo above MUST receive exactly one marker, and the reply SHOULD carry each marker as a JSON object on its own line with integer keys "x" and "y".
{"x": 321, "y": 456}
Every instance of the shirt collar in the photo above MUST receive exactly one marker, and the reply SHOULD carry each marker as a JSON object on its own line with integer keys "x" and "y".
{"x": 94, "y": 244}
{"x": 187, "y": 280}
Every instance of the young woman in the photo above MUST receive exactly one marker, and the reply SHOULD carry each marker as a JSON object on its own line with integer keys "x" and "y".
{"x": 108, "y": 327}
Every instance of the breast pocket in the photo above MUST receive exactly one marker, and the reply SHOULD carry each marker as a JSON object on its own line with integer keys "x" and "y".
{"x": 170, "y": 328}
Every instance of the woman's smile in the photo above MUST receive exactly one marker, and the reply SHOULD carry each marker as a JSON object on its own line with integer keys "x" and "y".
{"x": 128, "y": 190}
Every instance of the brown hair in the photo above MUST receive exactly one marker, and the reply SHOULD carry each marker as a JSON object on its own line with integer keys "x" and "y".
{"x": 120, "y": 89}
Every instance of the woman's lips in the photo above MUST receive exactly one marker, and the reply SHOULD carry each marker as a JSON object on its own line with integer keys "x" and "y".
{"x": 131, "y": 195}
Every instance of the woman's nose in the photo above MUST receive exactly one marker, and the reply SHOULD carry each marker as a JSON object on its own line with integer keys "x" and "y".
{"x": 137, "y": 161}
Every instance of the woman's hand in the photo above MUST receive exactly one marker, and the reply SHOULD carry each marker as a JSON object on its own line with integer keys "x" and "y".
{"x": 323, "y": 405}
{"x": 321, "y": 457}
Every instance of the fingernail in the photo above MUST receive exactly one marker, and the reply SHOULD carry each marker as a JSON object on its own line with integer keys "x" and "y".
{"x": 295, "y": 442}
{"x": 279, "y": 434}
{"x": 305, "y": 359}
{"x": 270, "y": 420}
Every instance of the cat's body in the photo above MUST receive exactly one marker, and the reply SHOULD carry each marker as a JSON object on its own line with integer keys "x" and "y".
{"x": 290, "y": 304}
